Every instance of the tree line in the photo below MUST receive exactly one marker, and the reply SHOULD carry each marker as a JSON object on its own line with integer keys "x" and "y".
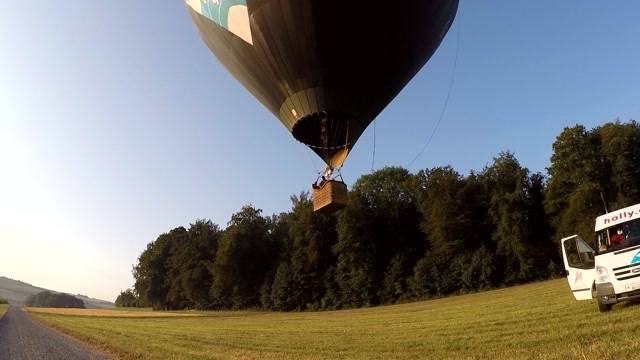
{"x": 50, "y": 299}
{"x": 402, "y": 237}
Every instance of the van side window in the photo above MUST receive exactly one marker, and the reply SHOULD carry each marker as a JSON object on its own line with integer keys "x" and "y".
{"x": 579, "y": 254}
{"x": 601, "y": 241}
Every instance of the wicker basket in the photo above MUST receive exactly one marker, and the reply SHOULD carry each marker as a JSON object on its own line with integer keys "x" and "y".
{"x": 330, "y": 196}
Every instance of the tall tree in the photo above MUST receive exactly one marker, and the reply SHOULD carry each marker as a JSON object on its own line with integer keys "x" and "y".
{"x": 381, "y": 223}
{"x": 151, "y": 271}
{"x": 176, "y": 297}
{"x": 544, "y": 250}
{"x": 620, "y": 146}
{"x": 442, "y": 218}
{"x": 441, "y": 222}
{"x": 279, "y": 253}
{"x": 508, "y": 183}
{"x": 308, "y": 257}
{"x": 454, "y": 220}
{"x": 576, "y": 181}
{"x": 192, "y": 261}
{"x": 242, "y": 260}
{"x": 127, "y": 298}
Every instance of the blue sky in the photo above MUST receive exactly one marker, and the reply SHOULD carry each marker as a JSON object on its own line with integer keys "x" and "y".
{"x": 117, "y": 124}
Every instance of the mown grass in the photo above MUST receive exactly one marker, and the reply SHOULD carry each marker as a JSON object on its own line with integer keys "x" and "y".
{"x": 112, "y": 312}
{"x": 3, "y": 309}
{"x": 536, "y": 321}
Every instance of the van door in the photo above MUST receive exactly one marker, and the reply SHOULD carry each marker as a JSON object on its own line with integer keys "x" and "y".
{"x": 579, "y": 261}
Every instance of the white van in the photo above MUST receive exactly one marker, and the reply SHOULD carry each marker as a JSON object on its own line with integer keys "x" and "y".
{"x": 611, "y": 272}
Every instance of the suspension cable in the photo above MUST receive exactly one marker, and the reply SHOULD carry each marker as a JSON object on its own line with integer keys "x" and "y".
{"x": 446, "y": 102}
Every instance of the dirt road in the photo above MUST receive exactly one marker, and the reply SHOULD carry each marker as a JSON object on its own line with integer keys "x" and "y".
{"x": 22, "y": 338}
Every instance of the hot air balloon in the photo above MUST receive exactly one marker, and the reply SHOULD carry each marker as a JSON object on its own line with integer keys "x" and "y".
{"x": 324, "y": 68}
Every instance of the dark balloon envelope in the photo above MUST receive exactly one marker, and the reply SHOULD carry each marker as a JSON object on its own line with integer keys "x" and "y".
{"x": 325, "y": 68}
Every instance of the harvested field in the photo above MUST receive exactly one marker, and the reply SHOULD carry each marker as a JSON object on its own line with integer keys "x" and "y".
{"x": 111, "y": 313}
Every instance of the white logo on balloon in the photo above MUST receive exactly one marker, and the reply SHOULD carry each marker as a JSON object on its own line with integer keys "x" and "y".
{"x": 232, "y": 15}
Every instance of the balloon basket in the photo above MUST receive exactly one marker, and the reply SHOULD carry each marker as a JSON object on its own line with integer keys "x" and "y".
{"x": 330, "y": 196}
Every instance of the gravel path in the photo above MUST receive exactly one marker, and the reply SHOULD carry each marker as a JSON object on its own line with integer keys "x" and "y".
{"x": 22, "y": 338}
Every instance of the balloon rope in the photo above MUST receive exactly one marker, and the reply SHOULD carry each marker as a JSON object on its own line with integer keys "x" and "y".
{"x": 373, "y": 156}
{"x": 313, "y": 163}
{"x": 446, "y": 102}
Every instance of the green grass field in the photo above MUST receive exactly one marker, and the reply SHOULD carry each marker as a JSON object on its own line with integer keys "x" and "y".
{"x": 3, "y": 309}
{"x": 536, "y": 321}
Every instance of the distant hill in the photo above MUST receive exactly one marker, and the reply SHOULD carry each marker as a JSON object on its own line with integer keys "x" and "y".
{"x": 49, "y": 299}
{"x": 92, "y": 303}
{"x": 17, "y": 293}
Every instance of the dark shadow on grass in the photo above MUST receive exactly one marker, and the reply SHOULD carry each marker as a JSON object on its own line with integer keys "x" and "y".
{"x": 626, "y": 304}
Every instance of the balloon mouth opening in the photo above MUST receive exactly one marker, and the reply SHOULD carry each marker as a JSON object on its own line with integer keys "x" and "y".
{"x": 331, "y": 135}
{"x": 326, "y": 131}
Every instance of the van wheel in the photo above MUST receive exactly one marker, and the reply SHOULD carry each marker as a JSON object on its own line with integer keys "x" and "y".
{"x": 603, "y": 307}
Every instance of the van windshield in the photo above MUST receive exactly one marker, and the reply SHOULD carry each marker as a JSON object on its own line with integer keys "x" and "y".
{"x": 619, "y": 237}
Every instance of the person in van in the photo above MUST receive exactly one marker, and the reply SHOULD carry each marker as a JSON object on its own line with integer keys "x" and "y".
{"x": 618, "y": 237}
